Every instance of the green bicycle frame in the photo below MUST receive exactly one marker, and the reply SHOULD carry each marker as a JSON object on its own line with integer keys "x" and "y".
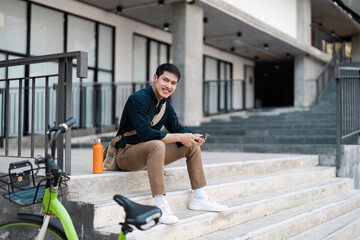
{"x": 122, "y": 236}
{"x": 53, "y": 205}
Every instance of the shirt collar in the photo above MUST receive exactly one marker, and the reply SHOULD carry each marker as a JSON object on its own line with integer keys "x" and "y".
{"x": 153, "y": 96}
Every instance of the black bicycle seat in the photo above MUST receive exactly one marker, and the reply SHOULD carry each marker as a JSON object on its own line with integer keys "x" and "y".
{"x": 138, "y": 214}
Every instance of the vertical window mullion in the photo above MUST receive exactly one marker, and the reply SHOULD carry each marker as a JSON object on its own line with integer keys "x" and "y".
{"x": 65, "y": 31}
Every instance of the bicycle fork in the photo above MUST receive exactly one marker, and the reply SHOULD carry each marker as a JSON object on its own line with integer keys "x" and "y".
{"x": 44, "y": 227}
{"x": 53, "y": 205}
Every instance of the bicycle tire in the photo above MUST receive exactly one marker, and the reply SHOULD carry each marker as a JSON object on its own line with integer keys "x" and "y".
{"x": 28, "y": 229}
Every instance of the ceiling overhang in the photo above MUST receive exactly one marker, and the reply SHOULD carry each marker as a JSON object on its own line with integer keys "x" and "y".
{"x": 224, "y": 22}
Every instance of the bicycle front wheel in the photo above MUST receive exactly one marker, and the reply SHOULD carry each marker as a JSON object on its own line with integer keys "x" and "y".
{"x": 22, "y": 229}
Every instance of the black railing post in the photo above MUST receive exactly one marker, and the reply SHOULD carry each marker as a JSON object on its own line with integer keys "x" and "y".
{"x": 32, "y": 116}
{"x": 68, "y": 111}
{"x": 244, "y": 94}
{"x": 19, "y": 120}
{"x": 60, "y": 116}
{"x": 82, "y": 120}
{"x": 7, "y": 111}
{"x": 338, "y": 121}
{"x": 47, "y": 101}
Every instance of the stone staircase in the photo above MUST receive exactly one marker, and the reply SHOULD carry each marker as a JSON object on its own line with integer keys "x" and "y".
{"x": 270, "y": 196}
{"x": 296, "y": 130}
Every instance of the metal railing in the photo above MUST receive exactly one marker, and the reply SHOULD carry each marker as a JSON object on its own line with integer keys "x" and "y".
{"x": 348, "y": 107}
{"x": 95, "y": 104}
{"x": 324, "y": 79}
{"x": 329, "y": 43}
{"x": 222, "y": 96}
{"x": 27, "y": 94}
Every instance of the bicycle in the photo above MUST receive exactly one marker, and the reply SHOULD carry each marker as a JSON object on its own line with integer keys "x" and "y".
{"x": 32, "y": 226}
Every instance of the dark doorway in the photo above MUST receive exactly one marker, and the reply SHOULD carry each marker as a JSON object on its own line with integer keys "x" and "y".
{"x": 274, "y": 84}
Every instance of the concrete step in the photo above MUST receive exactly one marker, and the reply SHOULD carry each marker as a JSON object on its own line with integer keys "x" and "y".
{"x": 299, "y": 123}
{"x": 293, "y": 221}
{"x": 108, "y": 212}
{"x": 111, "y": 182}
{"x": 357, "y": 238}
{"x": 345, "y": 227}
{"x": 296, "y": 203}
{"x": 273, "y": 139}
{"x": 266, "y": 131}
{"x": 272, "y": 148}
{"x": 227, "y": 127}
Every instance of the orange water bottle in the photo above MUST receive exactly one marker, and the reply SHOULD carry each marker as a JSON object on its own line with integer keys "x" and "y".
{"x": 98, "y": 164}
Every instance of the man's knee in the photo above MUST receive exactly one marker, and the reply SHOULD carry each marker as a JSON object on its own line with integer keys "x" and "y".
{"x": 157, "y": 146}
{"x": 194, "y": 149}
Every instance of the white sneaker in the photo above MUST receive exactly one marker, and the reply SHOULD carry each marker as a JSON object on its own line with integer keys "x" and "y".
{"x": 206, "y": 204}
{"x": 168, "y": 216}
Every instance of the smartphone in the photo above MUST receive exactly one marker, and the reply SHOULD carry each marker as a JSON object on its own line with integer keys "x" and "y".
{"x": 204, "y": 135}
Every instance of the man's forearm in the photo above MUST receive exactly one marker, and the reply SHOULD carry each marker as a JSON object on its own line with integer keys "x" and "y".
{"x": 171, "y": 138}
{"x": 187, "y": 139}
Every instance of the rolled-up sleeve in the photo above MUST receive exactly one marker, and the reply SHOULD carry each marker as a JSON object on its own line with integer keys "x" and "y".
{"x": 138, "y": 111}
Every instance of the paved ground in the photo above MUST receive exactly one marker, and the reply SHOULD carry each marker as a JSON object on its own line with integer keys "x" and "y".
{"x": 82, "y": 159}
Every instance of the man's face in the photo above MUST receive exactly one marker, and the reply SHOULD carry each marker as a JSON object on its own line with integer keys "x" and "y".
{"x": 164, "y": 85}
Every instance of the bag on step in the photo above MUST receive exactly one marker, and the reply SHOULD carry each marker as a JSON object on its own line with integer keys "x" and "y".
{"x": 110, "y": 155}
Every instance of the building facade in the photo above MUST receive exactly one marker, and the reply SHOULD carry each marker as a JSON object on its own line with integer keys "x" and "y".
{"x": 233, "y": 55}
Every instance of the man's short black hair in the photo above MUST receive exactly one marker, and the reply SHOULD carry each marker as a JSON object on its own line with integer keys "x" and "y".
{"x": 169, "y": 67}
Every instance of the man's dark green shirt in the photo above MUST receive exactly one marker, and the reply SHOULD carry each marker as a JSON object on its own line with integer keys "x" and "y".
{"x": 139, "y": 110}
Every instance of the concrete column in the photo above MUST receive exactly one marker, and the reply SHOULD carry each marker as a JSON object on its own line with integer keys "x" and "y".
{"x": 355, "y": 51}
{"x": 187, "y": 28}
{"x": 299, "y": 81}
{"x": 304, "y": 21}
{"x": 306, "y": 71}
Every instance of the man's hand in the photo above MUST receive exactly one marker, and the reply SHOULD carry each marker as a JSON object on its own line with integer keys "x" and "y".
{"x": 189, "y": 139}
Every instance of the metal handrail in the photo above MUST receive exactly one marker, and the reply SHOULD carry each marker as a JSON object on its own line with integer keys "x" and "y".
{"x": 321, "y": 81}
{"x": 347, "y": 107}
{"x": 64, "y": 98}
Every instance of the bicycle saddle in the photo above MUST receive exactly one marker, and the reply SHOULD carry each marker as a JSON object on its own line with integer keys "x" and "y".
{"x": 137, "y": 214}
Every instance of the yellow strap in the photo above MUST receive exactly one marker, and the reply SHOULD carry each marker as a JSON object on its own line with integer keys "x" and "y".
{"x": 154, "y": 121}
{"x": 158, "y": 116}
{"x": 127, "y": 134}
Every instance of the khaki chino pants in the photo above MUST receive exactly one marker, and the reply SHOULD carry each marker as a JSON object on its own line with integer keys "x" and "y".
{"x": 154, "y": 155}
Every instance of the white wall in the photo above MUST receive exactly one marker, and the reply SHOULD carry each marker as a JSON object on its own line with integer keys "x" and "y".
{"x": 280, "y": 14}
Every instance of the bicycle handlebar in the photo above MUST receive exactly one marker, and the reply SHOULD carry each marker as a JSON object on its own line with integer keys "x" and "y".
{"x": 51, "y": 167}
{"x": 68, "y": 123}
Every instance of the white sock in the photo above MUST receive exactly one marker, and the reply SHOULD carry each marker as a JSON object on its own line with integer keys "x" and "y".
{"x": 199, "y": 193}
{"x": 159, "y": 199}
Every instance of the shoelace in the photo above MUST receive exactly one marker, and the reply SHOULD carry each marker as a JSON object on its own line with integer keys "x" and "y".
{"x": 168, "y": 209}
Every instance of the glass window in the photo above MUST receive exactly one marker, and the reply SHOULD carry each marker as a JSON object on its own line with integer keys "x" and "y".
{"x": 139, "y": 64}
{"x": 81, "y": 37}
{"x": 15, "y": 72}
{"x": 13, "y": 26}
{"x": 148, "y": 55}
{"x": 210, "y": 66}
{"x": 154, "y": 59}
{"x": 104, "y": 77}
{"x": 163, "y": 54}
{"x": 46, "y": 36}
{"x": 217, "y": 87}
{"x": 105, "y": 50}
